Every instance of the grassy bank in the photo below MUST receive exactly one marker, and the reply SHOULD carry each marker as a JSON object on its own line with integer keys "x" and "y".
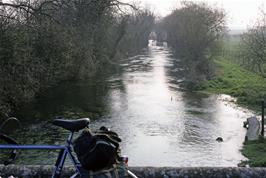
{"x": 249, "y": 89}
{"x": 255, "y": 151}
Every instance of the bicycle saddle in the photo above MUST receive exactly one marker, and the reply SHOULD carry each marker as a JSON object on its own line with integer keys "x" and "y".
{"x": 72, "y": 125}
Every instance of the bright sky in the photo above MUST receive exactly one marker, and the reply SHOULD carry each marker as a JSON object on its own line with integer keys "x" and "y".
{"x": 240, "y": 13}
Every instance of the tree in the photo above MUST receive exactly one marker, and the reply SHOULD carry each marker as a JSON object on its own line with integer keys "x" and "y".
{"x": 253, "y": 46}
{"x": 46, "y": 42}
{"x": 193, "y": 32}
{"x": 138, "y": 28}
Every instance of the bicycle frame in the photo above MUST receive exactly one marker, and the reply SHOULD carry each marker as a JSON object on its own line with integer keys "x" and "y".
{"x": 64, "y": 151}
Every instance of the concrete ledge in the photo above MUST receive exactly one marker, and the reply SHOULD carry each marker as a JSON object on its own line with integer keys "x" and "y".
{"x": 144, "y": 172}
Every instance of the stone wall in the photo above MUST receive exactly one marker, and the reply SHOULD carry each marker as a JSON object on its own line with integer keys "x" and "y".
{"x": 144, "y": 172}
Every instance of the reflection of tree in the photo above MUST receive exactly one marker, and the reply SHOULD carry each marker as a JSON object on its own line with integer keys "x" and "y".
{"x": 68, "y": 99}
{"x": 139, "y": 63}
{"x": 174, "y": 71}
{"x": 43, "y": 43}
{"x": 201, "y": 124}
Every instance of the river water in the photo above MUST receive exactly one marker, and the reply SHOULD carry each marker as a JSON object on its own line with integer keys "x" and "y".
{"x": 159, "y": 123}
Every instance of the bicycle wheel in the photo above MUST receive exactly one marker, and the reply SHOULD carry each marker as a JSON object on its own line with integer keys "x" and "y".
{"x": 8, "y": 156}
{"x": 7, "y": 127}
{"x": 131, "y": 174}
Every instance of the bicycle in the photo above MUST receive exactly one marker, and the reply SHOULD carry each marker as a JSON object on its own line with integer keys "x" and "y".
{"x": 65, "y": 150}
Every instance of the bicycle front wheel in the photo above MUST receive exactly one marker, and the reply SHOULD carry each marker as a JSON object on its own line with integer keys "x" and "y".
{"x": 131, "y": 174}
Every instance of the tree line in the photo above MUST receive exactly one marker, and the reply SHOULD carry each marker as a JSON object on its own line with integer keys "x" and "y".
{"x": 196, "y": 33}
{"x": 46, "y": 42}
{"x": 248, "y": 48}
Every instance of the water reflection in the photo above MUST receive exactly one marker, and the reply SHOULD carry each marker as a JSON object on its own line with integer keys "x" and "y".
{"x": 164, "y": 126}
{"x": 160, "y": 124}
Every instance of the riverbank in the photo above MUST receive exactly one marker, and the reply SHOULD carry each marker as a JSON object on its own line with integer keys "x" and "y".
{"x": 255, "y": 151}
{"x": 232, "y": 79}
{"x": 249, "y": 89}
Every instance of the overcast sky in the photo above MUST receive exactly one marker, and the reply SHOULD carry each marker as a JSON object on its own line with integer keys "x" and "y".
{"x": 240, "y": 13}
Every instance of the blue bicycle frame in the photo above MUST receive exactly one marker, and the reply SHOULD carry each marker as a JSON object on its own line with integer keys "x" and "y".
{"x": 64, "y": 151}
{"x": 72, "y": 126}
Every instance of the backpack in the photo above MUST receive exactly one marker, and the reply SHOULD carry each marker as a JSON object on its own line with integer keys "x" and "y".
{"x": 96, "y": 151}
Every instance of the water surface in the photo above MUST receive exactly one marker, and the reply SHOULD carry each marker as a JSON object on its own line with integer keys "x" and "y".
{"x": 159, "y": 123}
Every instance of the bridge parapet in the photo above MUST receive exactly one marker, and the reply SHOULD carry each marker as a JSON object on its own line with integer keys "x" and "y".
{"x": 144, "y": 172}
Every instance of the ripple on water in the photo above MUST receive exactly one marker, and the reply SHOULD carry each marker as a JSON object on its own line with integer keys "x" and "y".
{"x": 160, "y": 125}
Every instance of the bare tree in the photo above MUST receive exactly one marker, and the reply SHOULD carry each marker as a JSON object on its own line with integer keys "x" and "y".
{"x": 253, "y": 46}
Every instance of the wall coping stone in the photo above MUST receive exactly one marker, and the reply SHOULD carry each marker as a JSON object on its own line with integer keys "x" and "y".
{"x": 44, "y": 171}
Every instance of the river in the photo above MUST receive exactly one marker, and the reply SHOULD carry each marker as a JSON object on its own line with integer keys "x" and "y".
{"x": 160, "y": 124}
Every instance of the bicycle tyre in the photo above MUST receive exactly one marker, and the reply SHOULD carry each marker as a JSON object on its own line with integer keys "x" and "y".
{"x": 131, "y": 174}
{"x": 13, "y": 153}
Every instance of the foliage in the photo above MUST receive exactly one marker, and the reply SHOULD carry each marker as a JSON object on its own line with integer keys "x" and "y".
{"x": 138, "y": 31}
{"x": 253, "y": 47}
{"x": 193, "y": 31}
{"x": 46, "y": 42}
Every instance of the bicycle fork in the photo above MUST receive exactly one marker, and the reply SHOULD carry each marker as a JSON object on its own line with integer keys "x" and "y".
{"x": 59, "y": 163}
{"x": 62, "y": 157}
